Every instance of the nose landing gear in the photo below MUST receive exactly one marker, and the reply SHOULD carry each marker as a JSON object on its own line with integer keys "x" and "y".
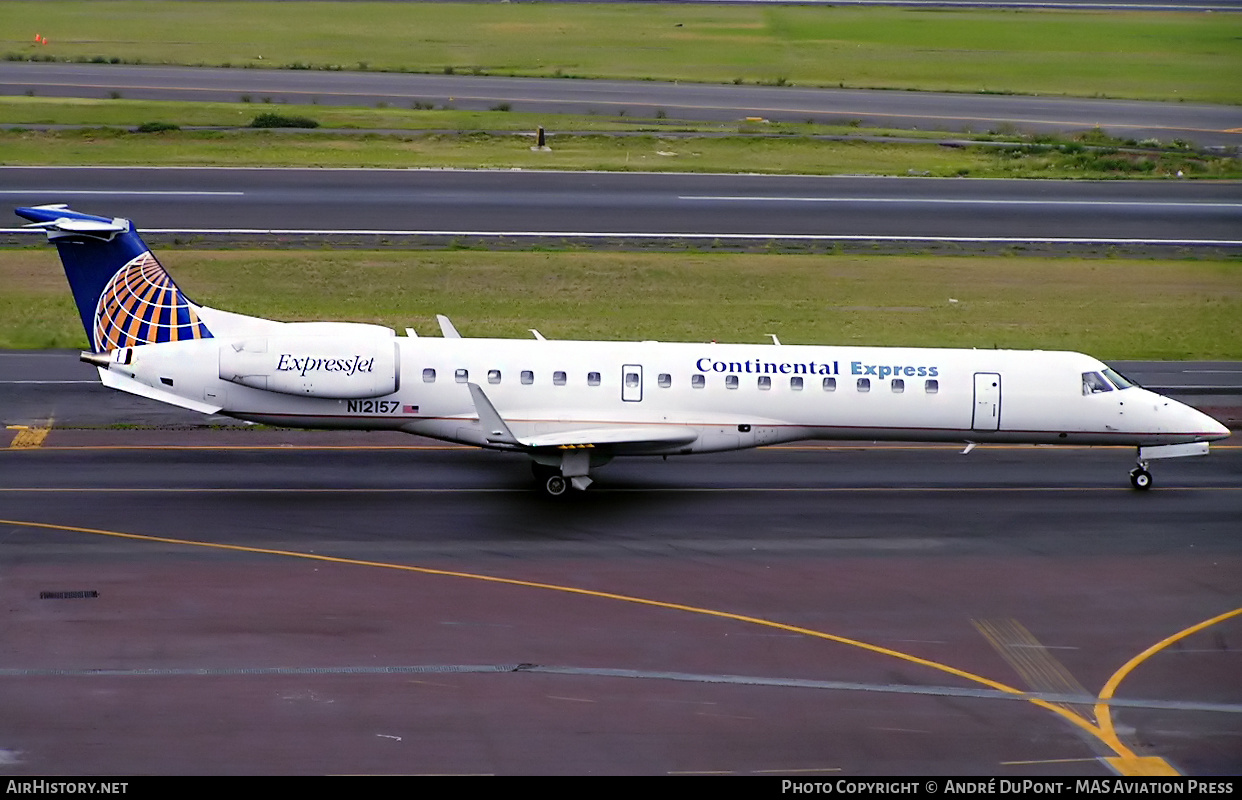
{"x": 1140, "y": 478}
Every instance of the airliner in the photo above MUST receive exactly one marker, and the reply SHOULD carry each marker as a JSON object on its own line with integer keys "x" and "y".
{"x": 573, "y": 406}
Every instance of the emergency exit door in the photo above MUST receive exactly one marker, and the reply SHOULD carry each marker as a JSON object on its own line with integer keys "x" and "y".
{"x": 987, "y": 402}
{"x": 632, "y": 383}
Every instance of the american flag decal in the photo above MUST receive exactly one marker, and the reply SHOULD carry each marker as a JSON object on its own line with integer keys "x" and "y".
{"x": 409, "y": 409}
{"x": 141, "y": 305}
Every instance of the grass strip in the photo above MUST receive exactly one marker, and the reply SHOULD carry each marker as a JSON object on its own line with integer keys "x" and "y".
{"x": 642, "y": 153}
{"x": 1141, "y": 55}
{"x": 1111, "y": 308}
{"x": 416, "y": 117}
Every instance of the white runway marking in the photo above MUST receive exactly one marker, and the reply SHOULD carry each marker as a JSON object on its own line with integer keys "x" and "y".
{"x": 957, "y": 201}
{"x": 803, "y": 237}
{"x": 118, "y": 193}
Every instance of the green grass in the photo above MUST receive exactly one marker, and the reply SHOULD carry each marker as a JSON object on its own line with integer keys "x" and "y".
{"x": 1174, "y": 56}
{"x": 475, "y": 150}
{"x": 647, "y": 153}
{"x": 131, "y": 113}
{"x": 440, "y": 138}
{"x": 1111, "y": 308}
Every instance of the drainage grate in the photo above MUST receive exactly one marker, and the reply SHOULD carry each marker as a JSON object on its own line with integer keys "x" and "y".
{"x": 68, "y": 595}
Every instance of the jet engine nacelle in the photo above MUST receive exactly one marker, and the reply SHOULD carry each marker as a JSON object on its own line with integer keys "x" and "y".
{"x": 338, "y": 367}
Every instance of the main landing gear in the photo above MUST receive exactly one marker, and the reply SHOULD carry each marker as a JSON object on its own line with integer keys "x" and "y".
{"x": 570, "y": 468}
{"x": 1140, "y": 478}
{"x": 550, "y": 480}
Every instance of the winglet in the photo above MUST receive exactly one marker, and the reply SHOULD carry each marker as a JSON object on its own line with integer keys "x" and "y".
{"x": 446, "y": 327}
{"x": 494, "y": 428}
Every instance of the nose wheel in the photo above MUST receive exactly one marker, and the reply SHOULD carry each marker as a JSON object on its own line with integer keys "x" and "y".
{"x": 1140, "y": 478}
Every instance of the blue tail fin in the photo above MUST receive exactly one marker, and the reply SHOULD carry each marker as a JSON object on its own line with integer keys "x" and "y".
{"x": 124, "y": 296}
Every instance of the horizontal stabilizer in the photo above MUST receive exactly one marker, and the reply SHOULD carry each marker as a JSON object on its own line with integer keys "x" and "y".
{"x": 60, "y": 220}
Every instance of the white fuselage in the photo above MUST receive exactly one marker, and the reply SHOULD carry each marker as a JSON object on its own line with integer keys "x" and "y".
{"x": 728, "y": 396}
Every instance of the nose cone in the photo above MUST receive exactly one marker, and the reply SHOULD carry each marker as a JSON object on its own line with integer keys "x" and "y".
{"x": 1203, "y": 428}
{"x": 1215, "y": 430}
{"x": 1175, "y": 421}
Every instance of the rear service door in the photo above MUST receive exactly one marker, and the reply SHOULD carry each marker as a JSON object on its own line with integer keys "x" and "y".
{"x": 987, "y": 402}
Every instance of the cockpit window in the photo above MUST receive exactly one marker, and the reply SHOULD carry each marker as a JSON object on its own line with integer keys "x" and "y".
{"x": 1094, "y": 383}
{"x": 1119, "y": 380}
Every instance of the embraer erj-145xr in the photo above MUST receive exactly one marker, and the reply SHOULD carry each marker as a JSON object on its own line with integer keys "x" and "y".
{"x": 572, "y": 406}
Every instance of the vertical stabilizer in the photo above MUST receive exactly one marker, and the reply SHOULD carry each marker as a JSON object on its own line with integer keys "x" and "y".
{"x": 124, "y": 296}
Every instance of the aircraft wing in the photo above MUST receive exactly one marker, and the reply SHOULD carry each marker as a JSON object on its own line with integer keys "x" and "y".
{"x": 613, "y": 438}
{"x": 124, "y": 383}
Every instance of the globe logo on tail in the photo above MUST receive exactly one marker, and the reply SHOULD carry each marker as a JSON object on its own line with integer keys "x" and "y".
{"x": 141, "y": 305}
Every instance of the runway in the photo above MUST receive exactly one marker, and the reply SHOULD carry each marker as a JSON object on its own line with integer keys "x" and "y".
{"x": 1206, "y": 125}
{"x": 259, "y": 204}
{"x": 202, "y": 601}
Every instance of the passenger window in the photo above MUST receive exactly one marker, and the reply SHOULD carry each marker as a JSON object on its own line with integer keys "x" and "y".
{"x": 528, "y": 377}
{"x": 730, "y": 381}
{"x": 932, "y": 386}
{"x": 899, "y": 386}
{"x": 631, "y": 380}
{"x": 698, "y": 381}
{"x": 795, "y": 383}
{"x": 592, "y": 379}
{"x": 830, "y": 384}
{"x": 493, "y": 376}
{"x": 462, "y": 375}
{"x": 666, "y": 380}
{"x": 429, "y": 375}
{"x": 864, "y": 384}
{"x": 765, "y": 382}
{"x": 558, "y": 378}
{"x": 1094, "y": 383}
